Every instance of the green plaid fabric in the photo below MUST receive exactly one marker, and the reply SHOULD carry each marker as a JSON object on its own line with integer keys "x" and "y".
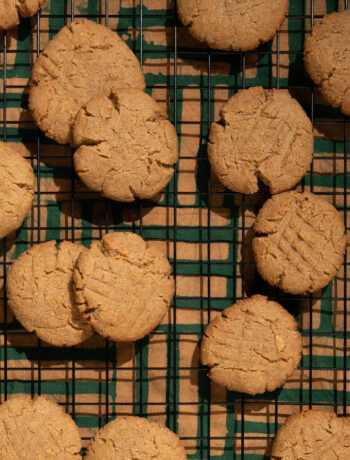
{"x": 204, "y": 229}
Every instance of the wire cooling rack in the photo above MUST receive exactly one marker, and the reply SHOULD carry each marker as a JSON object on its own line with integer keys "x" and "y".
{"x": 205, "y": 230}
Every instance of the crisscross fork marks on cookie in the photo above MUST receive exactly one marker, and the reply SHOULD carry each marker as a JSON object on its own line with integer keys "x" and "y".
{"x": 301, "y": 243}
{"x": 123, "y": 286}
{"x": 292, "y": 239}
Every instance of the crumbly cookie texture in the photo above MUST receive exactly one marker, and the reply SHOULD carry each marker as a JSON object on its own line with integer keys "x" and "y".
{"x": 40, "y": 293}
{"x": 123, "y": 286}
{"x": 127, "y": 146}
{"x": 37, "y": 429}
{"x": 252, "y": 347}
{"x": 11, "y": 9}
{"x": 300, "y": 242}
{"x": 313, "y": 435}
{"x": 233, "y": 24}
{"x": 135, "y": 438}
{"x": 83, "y": 60}
{"x": 327, "y": 58}
{"x": 16, "y": 189}
{"x": 262, "y": 134}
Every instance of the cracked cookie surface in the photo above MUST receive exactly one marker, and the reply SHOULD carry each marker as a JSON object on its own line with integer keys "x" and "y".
{"x": 127, "y": 146}
{"x": 327, "y": 58}
{"x": 233, "y": 24}
{"x": 11, "y": 9}
{"x": 123, "y": 286}
{"x": 33, "y": 429}
{"x": 252, "y": 347}
{"x": 16, "y": 189}
{"x": 40, "y": 293}
{"x": 300, "y": 242}
{"x": 313, "y": 435}
{"x": 130, "y": 437}
{"x": 83, "y": 60}
{"x": 263, "y": 134}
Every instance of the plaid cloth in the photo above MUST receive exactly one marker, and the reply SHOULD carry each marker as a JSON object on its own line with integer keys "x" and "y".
{"x": 205, "y": 230}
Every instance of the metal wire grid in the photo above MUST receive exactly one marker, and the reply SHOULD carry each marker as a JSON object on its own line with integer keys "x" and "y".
{"x": 174, "y": 404}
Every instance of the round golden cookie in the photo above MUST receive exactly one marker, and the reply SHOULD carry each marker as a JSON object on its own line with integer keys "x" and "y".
{"x": 313, "y": 435}
{"x": 83, "y": 60}
{"x": 300, "y": 242}
{"x": 327, "y": 58}
{"x": 129, "y": 437}
{"x": 123, "y": 286}
{"x": 40, "y": 293}
{"x": 252, "y": 347}
{"x": 16, "y": 189}
{"x": 262, "y": 134}
{"x": 233, "y": 24}
{"x": 37, "y": 429}
{"x": 127, "y": 146}
{"x": 11, "y": 9}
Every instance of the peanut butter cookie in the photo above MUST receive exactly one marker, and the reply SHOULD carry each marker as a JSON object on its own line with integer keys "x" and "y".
{"x": 127, "y": 146}
{"x": 262, "y": 134}
{"x": 252, "y": 347}
{"x": 300, "y": 242}
{"x": 16, "y": 189}
{"x": 11, "y": 9}
{"x": 37, "y": 429}
{"x": 233, "y": 24}
{"x": 135, "y": 438}
{"x": 327, "y": 58}
{"x": 123, "y": 286}
{"x": 313, "y": 435}
{"x": 40, "y": 293}
{"x": 83, "y": 60}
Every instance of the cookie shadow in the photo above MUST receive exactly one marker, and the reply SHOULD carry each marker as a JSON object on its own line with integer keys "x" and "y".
{"x": 8, "y": 243}
{"x": 84, "y": 209}
{"x": 214, "y": 195}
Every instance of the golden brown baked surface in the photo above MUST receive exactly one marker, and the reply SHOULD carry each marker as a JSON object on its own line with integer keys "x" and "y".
{"x": 300, "y": 242}
{"x": 84, "y": 59}
{"x": 127, "y": 146}
{"x": 327, "y": 58}
{"x": 262, "y": 134}
{"x": 252, "y": 347}
{"x": 16, "y": 189}
{"x": 40, "y": 293}
{"x": 33, "y": 429}
{"x": 313, "y": 435}
{"x": 11, "y": 9}
{"x": 135, "y": 438}
{"x": 233, "y": 24}
{"x": 123, "y": 286}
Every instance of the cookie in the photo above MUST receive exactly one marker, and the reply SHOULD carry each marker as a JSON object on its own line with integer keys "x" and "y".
{"x": 37, "y": 429}
{"x": 123, "y": 286}
{"x": 11, "y": 9}
{"x": 127, "y": 147}
{"x": 300, "y": 242}
{"x": 327, "y": 58}
{"x": 252, "y": 347}
{"x": 262, "y": 134}
{"x": 16, "y": 189}
{"x": 83, "y": 60}
{"x": 129, "y": 437}
{"x": 313, "y": 435}
{"x": 40, "y": 293}
{"x": 233, "y": 24}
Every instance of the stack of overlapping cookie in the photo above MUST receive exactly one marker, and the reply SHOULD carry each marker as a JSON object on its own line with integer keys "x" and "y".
{"x": 121, "y": 287}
